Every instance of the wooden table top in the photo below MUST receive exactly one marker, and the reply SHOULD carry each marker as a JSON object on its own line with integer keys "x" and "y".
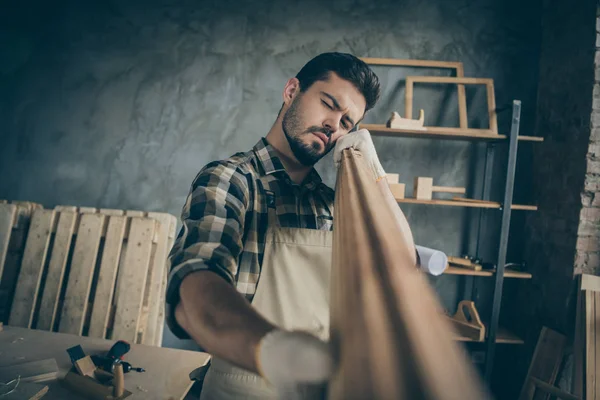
{"x": 167, "y": 370}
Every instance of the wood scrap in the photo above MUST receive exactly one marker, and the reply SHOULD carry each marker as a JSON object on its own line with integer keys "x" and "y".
{"x": 386, "y": 329}
{"x": 397, "y": 122}
{"x": 424, "y": 188}
{"x": 34, "y": 371}
{"x": 24, "y": 391}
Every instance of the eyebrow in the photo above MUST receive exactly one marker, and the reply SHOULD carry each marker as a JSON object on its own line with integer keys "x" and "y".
{"x": 336, "y": 105}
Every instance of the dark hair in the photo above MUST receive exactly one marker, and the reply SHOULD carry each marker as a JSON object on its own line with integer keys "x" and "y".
{"x": 347, "y": 67}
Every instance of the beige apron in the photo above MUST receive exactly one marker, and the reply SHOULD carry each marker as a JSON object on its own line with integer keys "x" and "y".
{"x": 292, "y": 293}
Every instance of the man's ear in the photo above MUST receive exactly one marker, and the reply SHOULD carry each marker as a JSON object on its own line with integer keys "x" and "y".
{"x": 291, "y": 90}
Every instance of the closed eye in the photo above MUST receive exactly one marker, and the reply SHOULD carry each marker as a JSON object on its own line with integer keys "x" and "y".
{"x": 326, "y": 104}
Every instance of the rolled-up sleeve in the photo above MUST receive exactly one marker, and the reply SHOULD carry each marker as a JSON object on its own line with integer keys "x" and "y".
{"x": 211, "y": 234}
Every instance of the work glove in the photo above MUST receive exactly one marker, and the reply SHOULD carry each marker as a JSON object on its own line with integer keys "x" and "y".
{"x": 360, "y": 141}
{"x": 296, "y": 363}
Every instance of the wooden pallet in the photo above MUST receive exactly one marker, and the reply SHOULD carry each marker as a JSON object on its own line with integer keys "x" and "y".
{"x": 95, "y": 272}
{"x": 15, "y": 217}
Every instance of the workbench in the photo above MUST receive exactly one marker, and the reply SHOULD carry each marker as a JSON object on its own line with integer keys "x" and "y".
{"x": 167, "y": 370}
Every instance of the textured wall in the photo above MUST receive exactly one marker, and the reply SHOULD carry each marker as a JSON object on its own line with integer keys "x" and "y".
{"x": 119, "y": 104}
{"x": 564, "y": 175}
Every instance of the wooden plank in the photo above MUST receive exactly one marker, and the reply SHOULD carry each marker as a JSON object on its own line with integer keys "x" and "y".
{"x": 34, "y": 259}
{"x": 449, "y": 79}
{"x": 412, "y": 63}
{"x": 449, "y": 189}
{"x": 462, "y": 99}
{"x": 408, "y": 99}
{"x": 590, "y": 338}
{"x": 491, "y": 102}
{"x": 81, "y": 273}
{"x": 596, "y": 338}
{"x": 159, "y": 273}
{"x": 579, "y": 343}
{"x": 163, "y": 289}
{"x": 103, "y": 298}
{"x": 25, "y": 391}
{"x": 111, "y": 212}
{"x": 7, "y": 220}
{"x": 482, "y": 204}
{"x": 133, "y": 278}
{"x": 434, "y": 132}
{"x": 135, "y": 213}
{"x": 88, "y": 210}
{"x": 56, "y": 270}
{"x": 33, "y": 371}
{"x": 507, "y": 274}
{"x": 72, "y": 209}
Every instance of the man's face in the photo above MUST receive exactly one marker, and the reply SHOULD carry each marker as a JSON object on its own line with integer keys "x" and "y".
{"x": 318, "y": 117}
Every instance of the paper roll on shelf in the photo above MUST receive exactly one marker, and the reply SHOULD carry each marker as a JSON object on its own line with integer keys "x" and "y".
{"x": 433, "y": 261}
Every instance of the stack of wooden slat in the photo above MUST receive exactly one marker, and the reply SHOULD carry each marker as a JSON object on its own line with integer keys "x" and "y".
{"x": 95, "y": 272}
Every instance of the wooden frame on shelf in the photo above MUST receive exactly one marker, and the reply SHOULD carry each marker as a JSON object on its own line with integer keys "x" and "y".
{"x": 453, "y": 65}
{"x": 491, "y": 100}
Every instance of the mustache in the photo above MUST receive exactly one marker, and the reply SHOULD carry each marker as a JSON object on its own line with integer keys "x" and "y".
{"x": 326, "y": 132}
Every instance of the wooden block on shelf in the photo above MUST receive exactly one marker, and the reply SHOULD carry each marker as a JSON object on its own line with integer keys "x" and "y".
{"x": 392, "y": 178}
{"x": 464, "y": 263}
{"x": 422, "y": 188}
{"x": 449, "y": 189}
{"x": 398, "y": 190}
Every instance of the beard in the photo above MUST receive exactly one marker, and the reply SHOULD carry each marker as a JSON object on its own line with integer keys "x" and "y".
{"x": 307, "y": 154}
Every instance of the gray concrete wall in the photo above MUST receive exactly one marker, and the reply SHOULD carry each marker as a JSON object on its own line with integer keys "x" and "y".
{"x": 119, "y": 104}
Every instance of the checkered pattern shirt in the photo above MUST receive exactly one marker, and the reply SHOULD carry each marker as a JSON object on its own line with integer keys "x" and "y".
{"x": 225, "y": 219}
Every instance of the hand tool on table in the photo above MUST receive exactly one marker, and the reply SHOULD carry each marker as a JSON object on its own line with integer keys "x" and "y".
{"x": 115, "y": 356}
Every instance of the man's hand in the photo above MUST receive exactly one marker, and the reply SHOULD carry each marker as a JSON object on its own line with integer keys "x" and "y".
{"x": 361, "y": 141}
{"x": 295, "y": 363}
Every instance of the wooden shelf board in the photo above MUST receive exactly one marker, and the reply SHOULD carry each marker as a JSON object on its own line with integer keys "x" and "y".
{"x": 433, "y": 132}
{"x": 460, "y": 203}
{"x": 507, "y": 273}
{"x": 502, "y": 336}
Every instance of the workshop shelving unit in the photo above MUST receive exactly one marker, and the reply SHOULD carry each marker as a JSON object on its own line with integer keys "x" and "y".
{"x": 494, "y": 334}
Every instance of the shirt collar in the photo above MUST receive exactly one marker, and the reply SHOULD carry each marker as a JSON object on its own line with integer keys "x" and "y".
{"x": 271, "y": 164}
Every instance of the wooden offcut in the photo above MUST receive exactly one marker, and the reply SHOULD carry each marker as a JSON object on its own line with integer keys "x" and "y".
{"x": 424, "y": 188}
{"x": 387, "y": 333}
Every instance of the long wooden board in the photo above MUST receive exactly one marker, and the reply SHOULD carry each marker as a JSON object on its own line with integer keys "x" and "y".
{"x": 133, "y": 277}
{"x": 81, "y": 273}
{"x": 103, "y": 298}
{"x": 34, "y": 259}
{"x": 31, "y": 371}
{"x": 56, "y": 270}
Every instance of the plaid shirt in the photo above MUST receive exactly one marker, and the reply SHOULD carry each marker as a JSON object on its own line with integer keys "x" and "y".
{"x": 225, "y": 219}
